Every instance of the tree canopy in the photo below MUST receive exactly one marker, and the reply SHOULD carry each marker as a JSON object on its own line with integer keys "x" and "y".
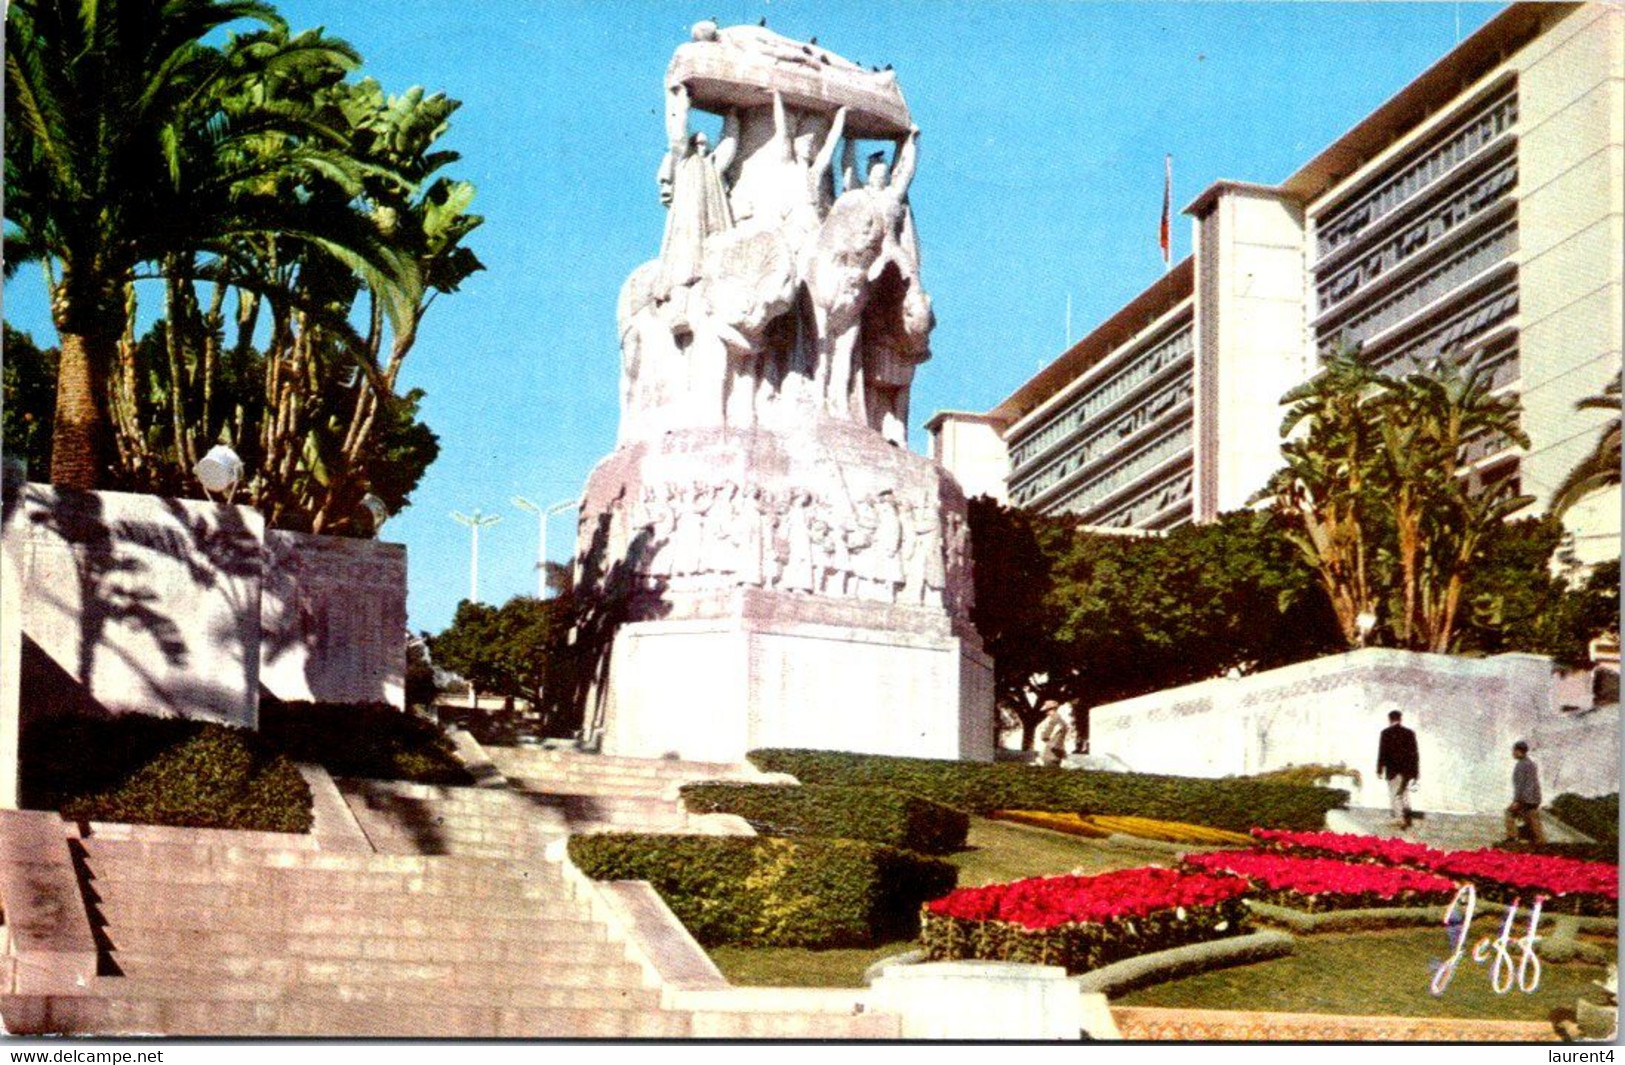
{"x": 293, "y": 222}
{"x": 1073, "y": 615}
{"x": 519, "y": 650}
{"x": 1381, "y": 495}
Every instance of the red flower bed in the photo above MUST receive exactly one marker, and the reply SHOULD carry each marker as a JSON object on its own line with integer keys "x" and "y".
{"x": 1569, "y": 885}
{"x": 1325, "y": 883}
{"x": 1348, "y": 847}
{"x": 1083, "y": 922}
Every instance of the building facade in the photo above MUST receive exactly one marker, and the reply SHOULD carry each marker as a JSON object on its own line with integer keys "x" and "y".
{"x": 1479, "y": 210}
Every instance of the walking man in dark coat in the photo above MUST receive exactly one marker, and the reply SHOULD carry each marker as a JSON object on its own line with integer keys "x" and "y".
{"x": 1399, "y": 763}
{"x": 1525, "y": 795}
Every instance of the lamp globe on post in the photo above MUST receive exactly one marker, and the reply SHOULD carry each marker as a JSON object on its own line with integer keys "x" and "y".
{"x": 218, "y": 471}
{"x": 1365, "y": 622}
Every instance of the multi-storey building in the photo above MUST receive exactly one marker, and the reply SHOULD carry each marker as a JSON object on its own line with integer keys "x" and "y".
{"x": 1479, "y": 210}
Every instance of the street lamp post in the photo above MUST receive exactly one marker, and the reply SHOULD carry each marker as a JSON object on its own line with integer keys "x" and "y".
{"x": 475, "y": 522}
{"x": 542, "y": 515}
{"x": 1366, "y": 622}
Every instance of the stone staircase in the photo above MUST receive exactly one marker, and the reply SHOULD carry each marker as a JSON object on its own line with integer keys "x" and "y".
{"x": 411, "y": 911}
{"x": 202, "y": 935}
{"x": 1444, "y": 831}
{"x": 603, "y": 793}
{"x": 402, "y": 818}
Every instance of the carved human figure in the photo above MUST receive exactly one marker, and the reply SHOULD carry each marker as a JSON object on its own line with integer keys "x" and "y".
{"x": 799, "y": 561}
{"x": 888, "y": 549}
{"x": 691, "y": 186}
{"x": 659, "y": 518}
{"x": 894, "y": 335}
{"x": 855, "y": 244}
{"x": 859, "y": 538}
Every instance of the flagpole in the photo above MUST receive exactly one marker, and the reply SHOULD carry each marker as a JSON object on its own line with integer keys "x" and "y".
{"x": 1167, "y": 212}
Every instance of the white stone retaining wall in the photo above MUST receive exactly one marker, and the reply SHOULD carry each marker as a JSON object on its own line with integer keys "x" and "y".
{"x": 333, "y": 619}
{"x": 1466, "y": 712}
{"x": 178, "y": 607}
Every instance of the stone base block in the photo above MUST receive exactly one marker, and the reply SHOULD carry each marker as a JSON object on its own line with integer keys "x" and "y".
{"x": 710, "y": 690}
{"x": 987, "y": 1000}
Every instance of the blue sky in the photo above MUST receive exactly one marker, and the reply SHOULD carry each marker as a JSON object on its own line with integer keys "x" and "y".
{"x": 1041, "y": 170}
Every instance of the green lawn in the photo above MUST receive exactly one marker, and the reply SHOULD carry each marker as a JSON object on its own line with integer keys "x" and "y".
{"x": 1385, "y": 972}
{"x": 798, "y": 967}
{"x": 998, "y": 851}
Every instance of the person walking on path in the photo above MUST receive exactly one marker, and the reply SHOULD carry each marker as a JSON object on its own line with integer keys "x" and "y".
{"x": 1052, "y": 737}
{"x": 1525, "y": 795}
{"x": 1398, "y": 762}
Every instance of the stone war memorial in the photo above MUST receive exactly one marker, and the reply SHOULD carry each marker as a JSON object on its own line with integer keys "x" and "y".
{"x": 779, "y": 570}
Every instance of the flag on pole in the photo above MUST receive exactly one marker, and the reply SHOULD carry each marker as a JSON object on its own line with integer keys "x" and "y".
{"x": 1164, "y": 238}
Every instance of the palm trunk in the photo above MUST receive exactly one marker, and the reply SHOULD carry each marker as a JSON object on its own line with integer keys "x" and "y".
{"x": 79, "y": 435}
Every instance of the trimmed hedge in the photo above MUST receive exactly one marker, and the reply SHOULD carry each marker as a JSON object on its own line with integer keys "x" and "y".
{"x": 162, "y": 771}
{"x": 763, "y": 891}
{"x": 980, "y": 788}
{"x": 372, "y": 740}
{"x": 877, "y": 815}
{"x": 1584, "y": 852}
{"x": 1597, "y": 818}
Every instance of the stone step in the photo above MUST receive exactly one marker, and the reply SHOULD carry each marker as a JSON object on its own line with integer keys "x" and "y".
{"x": 638, "y": 789}
{"x": 545, "y": 882}
{"x": 544, "y": 965}
{"x": 387, "y": 993}
{"x": 511, "y": 836}
{"x": 1440, "y": 830}
{"x": 466, "y": 797}
{"x": 179, "y": 855}
{"x": 526, "y": 757}
{"x": 276, "y": 903}
{"x": 433, "y": 816}
{"x": 195, "y": 837}
{"x": 124, "y": 917}
{"x": 406, "y": 844}
{"x": 92, "y": 1015}
{"x": 540, "y": 948}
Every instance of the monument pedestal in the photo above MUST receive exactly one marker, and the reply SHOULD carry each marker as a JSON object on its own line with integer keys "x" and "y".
{"x": 769, "y": 589}
{"x": 711, "y": 690}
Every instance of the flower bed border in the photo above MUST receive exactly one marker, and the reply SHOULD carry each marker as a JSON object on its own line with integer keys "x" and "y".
{"x": 1192, "y": 959}
{"x": 1308, "y": 922}
{"x": 1079, "y": 947}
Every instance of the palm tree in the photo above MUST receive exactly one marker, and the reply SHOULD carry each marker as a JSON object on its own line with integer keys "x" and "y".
{"x": 1601, "y": 468}
{"x": 1326, "y": 493}
{"x": 132, "y": 141}
{"x": 1440, "y": 514}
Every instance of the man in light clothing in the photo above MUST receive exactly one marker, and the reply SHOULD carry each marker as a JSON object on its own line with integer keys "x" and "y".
{"x": 1399, "y": 762}
{"x": 1525, "y": 795}
{"x": 1052, "y": 737}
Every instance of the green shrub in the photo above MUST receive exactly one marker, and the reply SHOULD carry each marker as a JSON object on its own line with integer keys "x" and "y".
{"x": 763, "y": 891}
{"x": 877, "y": 815}
{"x": 1597, "y": 818}
{"x": 980, "y": 788}
{"x": 1312, "y": 775}
{"x": 162, "y": 771}
{"x": 371, "y": 740}
{"x": 1584, "y": 852}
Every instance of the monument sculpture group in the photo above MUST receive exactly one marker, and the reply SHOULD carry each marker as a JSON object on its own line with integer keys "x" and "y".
{"x": 782, "y": 571}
